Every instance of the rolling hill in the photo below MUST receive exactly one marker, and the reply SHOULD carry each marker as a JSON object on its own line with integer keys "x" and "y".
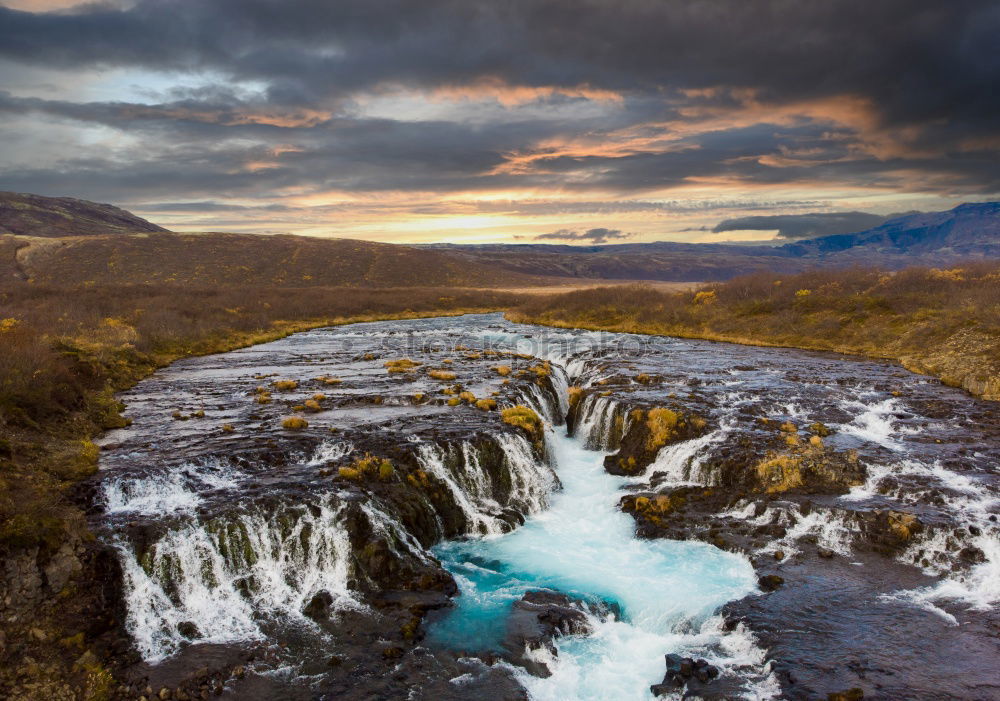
{"x": 68, "y": 241}
{"x": 34, "y": 215}
{"x": 64, "y": 241}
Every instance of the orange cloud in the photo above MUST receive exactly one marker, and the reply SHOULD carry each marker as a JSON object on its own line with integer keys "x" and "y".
{"x": 512, "y": 95}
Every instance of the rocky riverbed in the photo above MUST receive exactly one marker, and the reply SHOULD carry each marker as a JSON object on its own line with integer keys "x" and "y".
{"x": 470, "y": 508}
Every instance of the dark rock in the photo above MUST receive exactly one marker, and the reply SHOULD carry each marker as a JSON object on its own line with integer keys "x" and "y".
{"x": 318, "y": 607}
{"x": 824, "y": 553}
{"x": 189, "y": 630}
{"x": 540, "y": 617}
{"x": 770, "y": 582}
{"x": 852, "y": 694}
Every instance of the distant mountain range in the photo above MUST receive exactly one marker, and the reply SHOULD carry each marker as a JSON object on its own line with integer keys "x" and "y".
{"x": 966, "y": 232}
{"x": 69, "y": 241}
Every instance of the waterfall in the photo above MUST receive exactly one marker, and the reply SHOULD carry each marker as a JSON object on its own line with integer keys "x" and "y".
{"x": 473, "y": 488}
{"x": 681, "y": 463}
{"x": 597, "y": 426}
{"x": 481, "y": 511}
{"x": 223, "y": 575}
{"x": 531, "y": 480}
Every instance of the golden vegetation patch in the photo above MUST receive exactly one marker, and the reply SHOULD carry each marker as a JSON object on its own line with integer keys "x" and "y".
{"x": 285, "y": 385}
{"x": 294, "y": 423}
{"x": 502, "y": 370}
{"x": 662, "y": 424}
{"x": 443, "y": 375}
{"x": 486, "y": 404}
{"x": 369, "y": 466}
{"x": 401, "y": 365}
{"x": 575, "y": 395}
{"x": 525, "y": 418}
{"x": 780, "y": 473}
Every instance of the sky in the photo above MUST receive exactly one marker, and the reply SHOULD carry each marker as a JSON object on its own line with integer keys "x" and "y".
{"x": 480, "y": 121}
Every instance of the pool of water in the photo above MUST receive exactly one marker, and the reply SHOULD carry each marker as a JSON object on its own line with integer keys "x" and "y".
{"x": 583, "y": 546}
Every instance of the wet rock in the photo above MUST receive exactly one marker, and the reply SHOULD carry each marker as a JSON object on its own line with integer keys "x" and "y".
{"x": 189, "y": 630}
{"x": 649, "y": 430}
{"x": 318, "y": 607}
{"x": 683, "y": 671}
{"x": 540, "y": 617}
{"x": 824, "y": 553}
{"x": 770, "y": 582}
{"x": 852, "y": 694}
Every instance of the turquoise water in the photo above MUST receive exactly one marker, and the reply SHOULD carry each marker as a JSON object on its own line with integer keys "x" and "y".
{"x": 585, "y": 547}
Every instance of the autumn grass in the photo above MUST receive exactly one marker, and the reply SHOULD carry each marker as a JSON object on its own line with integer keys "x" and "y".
{"x": 939, "y": 322}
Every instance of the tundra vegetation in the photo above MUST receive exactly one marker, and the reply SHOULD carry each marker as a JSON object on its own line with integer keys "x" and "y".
{"x": 934, "y": 321}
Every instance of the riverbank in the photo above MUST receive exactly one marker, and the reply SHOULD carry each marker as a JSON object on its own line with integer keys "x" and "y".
{"x": 944, "y": 323}
{"x": 66, "y": 352}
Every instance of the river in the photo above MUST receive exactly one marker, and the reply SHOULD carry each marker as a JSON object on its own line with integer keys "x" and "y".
{"x": 253, "y": 564}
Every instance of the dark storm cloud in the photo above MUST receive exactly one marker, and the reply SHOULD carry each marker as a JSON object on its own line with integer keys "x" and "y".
{"x": 598, "y": 235}
{"x": 919, "y": 75}
{"x": 919, "y": 59}
{"x": 801, "y": 226}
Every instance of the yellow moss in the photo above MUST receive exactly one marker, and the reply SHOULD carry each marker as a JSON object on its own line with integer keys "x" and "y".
{"x": 662, "y": 425}
{"x": 643, "y": 379}
{"x": 789, "y": 427}
{"x": 792, "y": 439}
{"x": 486, "y": 404}
{"x": 473, "y": 356}
{"x": 451, "y": 390}
{"x": 294, "y": 423}
{"x": 803, "y": 293}
{"x": 285, "y": 385}
{"x": 543, "y": 370}
{"x": 299, "y": 407}
{"x": 902, "y": 524}
{"x": 263, "y": 397}
{"x": 816, "y": 441}
{"x": 326, "y": 379}
{"x": 454, "y": 401}
{"x": 502, "y": 370}
{"x": 419, "y": 397}
{"x": 523, "y": 417}
{"x": 705, "y": 297}
{"x": 312, "y": 405}
{"x": 780, "y": 473}
{"x": 401, "y": 365}
{"x": 575, "y": 395}
{"x": 319, "y": 396}
{"x": 443, "y": 375}
{"x": 200, "y": 414}
{"x": 349, "y": 473}
{"x": 228, "y": 428}
{"x": 467, "y": 397}
{"x": 385, "y": 471}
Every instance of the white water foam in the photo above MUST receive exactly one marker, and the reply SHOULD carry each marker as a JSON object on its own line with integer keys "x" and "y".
{"x": 223, "y": 575}
{"x": 330, "y": 451}
{"x": 179, "y": 489}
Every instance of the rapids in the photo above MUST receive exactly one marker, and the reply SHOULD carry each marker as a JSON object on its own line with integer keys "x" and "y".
{"x": 248, "y": 545}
